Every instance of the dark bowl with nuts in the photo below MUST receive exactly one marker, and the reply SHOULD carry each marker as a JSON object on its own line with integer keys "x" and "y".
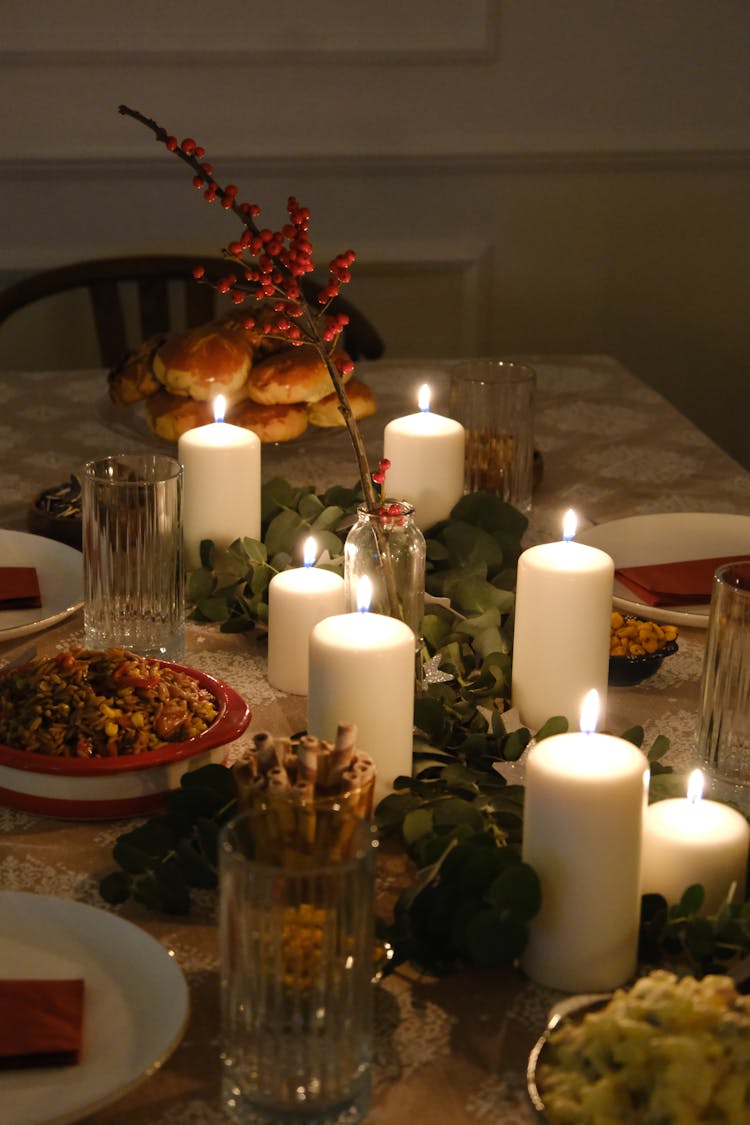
{"x": 56, "y": 513}
{"x": 637, "y": 648}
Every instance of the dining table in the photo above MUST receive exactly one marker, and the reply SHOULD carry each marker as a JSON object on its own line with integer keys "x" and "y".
{"x": 451, "y": 1048}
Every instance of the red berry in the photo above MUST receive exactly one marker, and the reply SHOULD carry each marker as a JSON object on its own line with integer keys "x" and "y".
{"x": 171, "y": 143}
{"x": 188, "y": 145}
{"x": 198, "y": 182}
{"x": 384, "y": 464}
{"x": 199, "y": 272}
{"x": 379, "y": 478}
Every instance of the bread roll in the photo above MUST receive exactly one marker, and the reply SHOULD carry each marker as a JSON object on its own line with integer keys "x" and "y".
{"x": 169, "y": 416}
{"x": 280, "y": 422}
{"x": 326, "y": 412}
{"x": 289, "y": 376}
{"x": 204, "y": 362}
{"x": 133, "y": 379}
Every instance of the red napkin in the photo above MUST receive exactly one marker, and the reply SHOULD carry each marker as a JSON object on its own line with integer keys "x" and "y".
{"x": 674, "y": 583}
{"x": 19, "y": 588}
{"x": 41, "y": 1022}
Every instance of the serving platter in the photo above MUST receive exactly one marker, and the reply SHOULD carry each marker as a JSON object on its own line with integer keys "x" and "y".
{"x": 59, "y": 570}
{"x": 671, "y": 537}
{"x": 128, "y": 785}
{"x": 135, "y": 1004}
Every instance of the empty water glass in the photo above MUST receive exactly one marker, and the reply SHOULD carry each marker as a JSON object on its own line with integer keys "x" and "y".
{"x": 132, "y": 554}
{"x": 724, "y": 715}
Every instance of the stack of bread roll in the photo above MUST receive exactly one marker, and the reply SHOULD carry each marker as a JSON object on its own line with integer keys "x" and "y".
{"x": 270, "y": 387}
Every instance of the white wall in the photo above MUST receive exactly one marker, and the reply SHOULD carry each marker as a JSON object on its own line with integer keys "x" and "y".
{"x": 527, "y": 175}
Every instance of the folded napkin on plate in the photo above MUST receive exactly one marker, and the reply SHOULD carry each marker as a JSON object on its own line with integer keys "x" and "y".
{"x": 674, "y": 583}
{"x": 40, "y": 1022}
{"x": 19, "y": 588}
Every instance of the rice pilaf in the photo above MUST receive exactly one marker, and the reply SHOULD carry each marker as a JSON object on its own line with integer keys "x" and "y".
{"x": 100, "y": 703}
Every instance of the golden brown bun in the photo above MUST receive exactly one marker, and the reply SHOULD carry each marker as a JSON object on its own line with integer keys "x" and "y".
{"x": 169, "y": 416}
{"x": 326, "y": 411}
{"x": 293, "y": 375}
{"x": 133, "y": 379}
{"x": 271, "y": 423}
{"x": 204, "y": 362}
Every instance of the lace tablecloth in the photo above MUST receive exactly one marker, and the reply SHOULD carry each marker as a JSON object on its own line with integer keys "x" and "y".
{"x": 451, "y": 1050}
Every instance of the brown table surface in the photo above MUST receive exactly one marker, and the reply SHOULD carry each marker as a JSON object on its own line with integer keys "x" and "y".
{"x": 448, "y": 1050}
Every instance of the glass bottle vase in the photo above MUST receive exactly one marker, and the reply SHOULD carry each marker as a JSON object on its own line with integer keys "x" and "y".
{"x": 388, "y": 548}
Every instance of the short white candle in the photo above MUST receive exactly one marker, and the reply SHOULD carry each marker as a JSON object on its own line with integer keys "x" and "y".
{"x": 297, "y": 600}
{"x": 562, "y": 628}
{"x": 221, "y": 473}
{"x": 426, "y": 452}
{"x": 688, "y": 840}
{"x": 362, "y": 672}
{"x": 583, "y": 813}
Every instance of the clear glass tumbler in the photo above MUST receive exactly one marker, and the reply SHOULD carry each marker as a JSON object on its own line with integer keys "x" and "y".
{"x": 132, "y": 554}
{"x": 494, "y": 401}
{"x": 296, "y": 932}
{"x": 724, "y": 714}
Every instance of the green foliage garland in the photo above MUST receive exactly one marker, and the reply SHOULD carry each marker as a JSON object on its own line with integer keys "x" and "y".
{"x": 456, "y": 818}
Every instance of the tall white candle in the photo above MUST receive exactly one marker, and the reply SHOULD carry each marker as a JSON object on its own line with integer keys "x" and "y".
{"x": 583, "y": 811}
{"x": 362, "y": 672}
{"x": 562, "y": 628}
{"x": 221, "y": 473}
{"x": 689, "y": 840}
{"x": 426, "y": 452}
{"x": 297, "y": 600}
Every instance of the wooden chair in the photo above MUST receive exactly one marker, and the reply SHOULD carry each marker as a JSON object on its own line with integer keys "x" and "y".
{"x": 152, "y": 276}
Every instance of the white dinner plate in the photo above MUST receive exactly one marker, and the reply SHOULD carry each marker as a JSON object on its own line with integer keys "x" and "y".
{"x": 673, "y": 537}
{"x": 135, "y": 1004}
{"x": 60, "y": 572}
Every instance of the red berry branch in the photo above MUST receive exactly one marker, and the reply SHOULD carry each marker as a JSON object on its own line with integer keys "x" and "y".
{"x": 266, "y": 265}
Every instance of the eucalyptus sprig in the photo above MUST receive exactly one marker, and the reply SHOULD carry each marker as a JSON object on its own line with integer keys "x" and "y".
{"x": 471, "y": 559}
{"x": 708, "y": 943}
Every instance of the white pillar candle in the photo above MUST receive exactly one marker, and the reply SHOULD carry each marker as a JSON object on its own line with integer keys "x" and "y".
{"x": 362, "y": 672}
{"x": 221, "y": 472}
{"x": 562, "y": 628}
{"x": 297, "y": 600}
{"x": 426, "y": 452}
{"x": 689, "y": 840}
{"x": 583, "y": 812}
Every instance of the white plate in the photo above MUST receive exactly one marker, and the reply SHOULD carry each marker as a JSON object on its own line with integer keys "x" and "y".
{"x": 674, "y": 537}
{"x": 60, "y": 572}
{"x": 135, "y": 1004}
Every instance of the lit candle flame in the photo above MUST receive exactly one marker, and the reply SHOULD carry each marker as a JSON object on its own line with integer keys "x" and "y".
{"x": 589, "y": 712}
{"x": 424, "y": 398}
{"x": 695, "y": 787}
{"x": 310, "y": 550}
{"x": 220, "y": 408}
{"x": 364, "y": 594}
{"x": 570, "y": 524}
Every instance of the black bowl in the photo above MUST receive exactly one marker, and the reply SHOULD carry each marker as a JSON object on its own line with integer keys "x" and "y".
{"x": 624, "y": 671}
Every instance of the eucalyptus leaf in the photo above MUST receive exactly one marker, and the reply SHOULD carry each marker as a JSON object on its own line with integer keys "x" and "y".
{"x": 283, "y": 533}
{"x": 558, "y": 724}
{"x": 635, "y": 735}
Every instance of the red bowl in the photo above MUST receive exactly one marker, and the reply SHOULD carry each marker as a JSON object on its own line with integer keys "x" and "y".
{"x": 130, "y": 785}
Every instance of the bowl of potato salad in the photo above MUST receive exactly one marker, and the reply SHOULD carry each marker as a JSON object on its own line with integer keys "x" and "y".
{"x": 669, "y": 1050}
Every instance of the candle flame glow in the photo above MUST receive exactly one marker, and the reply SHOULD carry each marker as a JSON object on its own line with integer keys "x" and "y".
{"x": 589, "y": 712}
{"x": 424, "y": 398}
{"x": 310, "y": 550}
{"x": 220, "y": 408}
{"x": 695, "y": 787}
{"x": 570, "y": 525}
{"x": 364, "y": 594}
